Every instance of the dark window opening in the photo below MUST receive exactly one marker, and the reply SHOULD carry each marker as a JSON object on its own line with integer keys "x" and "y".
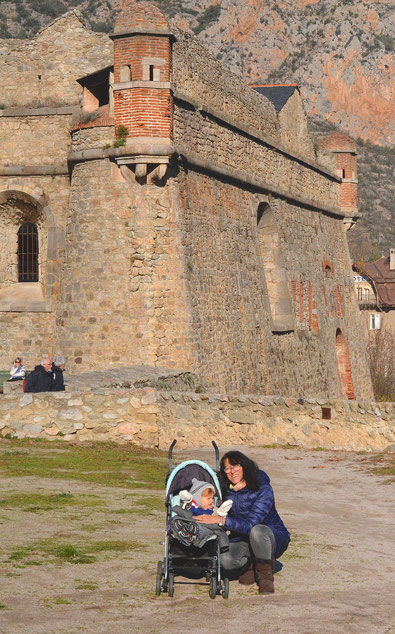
{"x": 261, "y": 210}
{"x": 98, "y": 84}
{"x": 151, "y": 73}
{"x": 343, "y": 173}
{"x": 28, "y": 253}
{"x": 102, "y": 93}
{"x": 326, "y": 413}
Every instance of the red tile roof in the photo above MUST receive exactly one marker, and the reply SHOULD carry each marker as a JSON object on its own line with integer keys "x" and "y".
{"x": 384, "y": 280}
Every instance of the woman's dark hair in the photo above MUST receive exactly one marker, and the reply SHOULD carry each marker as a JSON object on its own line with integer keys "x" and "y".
{"x": 250, "y": 470}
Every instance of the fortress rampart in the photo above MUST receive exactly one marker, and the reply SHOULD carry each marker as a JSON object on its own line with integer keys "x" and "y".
{"x": 179, "y": 223}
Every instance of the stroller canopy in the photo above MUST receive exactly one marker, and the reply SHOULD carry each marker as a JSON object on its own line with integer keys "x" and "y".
{"x": 182, "y": 475}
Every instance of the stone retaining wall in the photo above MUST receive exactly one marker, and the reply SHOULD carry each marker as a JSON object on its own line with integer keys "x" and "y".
{"x": 151, "y": 418}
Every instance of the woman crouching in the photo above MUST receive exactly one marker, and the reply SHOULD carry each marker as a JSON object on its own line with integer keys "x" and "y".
{"x": 257, "y": 533}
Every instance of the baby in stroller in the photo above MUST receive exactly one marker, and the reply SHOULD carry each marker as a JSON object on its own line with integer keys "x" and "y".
{"x": 199, "y": 500}
{"x": 192, "y": 549}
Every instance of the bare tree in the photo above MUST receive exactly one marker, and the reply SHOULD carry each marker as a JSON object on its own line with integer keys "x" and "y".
{"x": 381, "y": 352}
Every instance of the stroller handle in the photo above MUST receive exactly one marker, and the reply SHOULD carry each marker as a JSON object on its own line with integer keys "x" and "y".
{"x": 214, "y": 444}
{"x": 171, "y": 452}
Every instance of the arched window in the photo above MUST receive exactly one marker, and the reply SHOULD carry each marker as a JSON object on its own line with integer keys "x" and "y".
{"x": 28, "y": 253}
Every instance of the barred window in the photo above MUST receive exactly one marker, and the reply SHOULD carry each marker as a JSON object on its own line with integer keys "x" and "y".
{"x": 28, "y": 252}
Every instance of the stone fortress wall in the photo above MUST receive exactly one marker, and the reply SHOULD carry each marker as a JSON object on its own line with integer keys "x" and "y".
{"x": 152, "y": 418}
{"x": 234, "y": 265}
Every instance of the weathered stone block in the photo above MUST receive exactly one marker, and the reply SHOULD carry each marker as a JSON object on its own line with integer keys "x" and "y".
{"x": 72, "y": 413}
{"x": 128, "y": 429}
{"x": 26, "y": 399}
{"x": 149, "y": 397}
{"x": 241, "y": 416}
{"x": 32, "y": 430}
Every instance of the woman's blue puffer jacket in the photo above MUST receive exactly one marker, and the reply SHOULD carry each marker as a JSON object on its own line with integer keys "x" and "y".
{"x": 255, "y": 507}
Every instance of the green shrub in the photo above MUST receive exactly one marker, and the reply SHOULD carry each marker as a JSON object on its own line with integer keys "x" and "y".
{"x": 121, "y": 131}
{"x": 211, "y": 14}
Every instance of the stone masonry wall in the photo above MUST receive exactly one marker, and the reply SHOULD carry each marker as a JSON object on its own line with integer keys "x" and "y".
{"x": 226, "y": 147}
{"x": 226, "y": 282}
{"x": 30, "y": 335}
{"x": 218, "y": 225}
{"x": 198, "y": 74}
{"x": 293, "y": 126}
{"x": 122, "y": 297}
{"x": 25, "y": 333}
{"x": 48, "y": 65}
{"x": 306, "y": 359}
{"x": 152, "y": 419}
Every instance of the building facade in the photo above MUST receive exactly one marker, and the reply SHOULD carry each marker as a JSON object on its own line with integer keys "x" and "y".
{"x": 375, "y": 288}
{"x": 156, "y": 210}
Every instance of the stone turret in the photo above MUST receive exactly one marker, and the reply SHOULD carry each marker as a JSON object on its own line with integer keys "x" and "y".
{"x": 142, "y": 97}
{"x": 345, "y": 157}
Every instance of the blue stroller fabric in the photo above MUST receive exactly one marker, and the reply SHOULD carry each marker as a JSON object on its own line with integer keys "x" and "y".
{"x": 181, "y": 526}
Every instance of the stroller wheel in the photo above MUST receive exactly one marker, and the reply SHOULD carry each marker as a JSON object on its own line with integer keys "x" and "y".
{"x": 159, "y": 575}
{"x": 213, "y": 587}
{"x": 170, "y": 587}
{"x": 225, "y": 589}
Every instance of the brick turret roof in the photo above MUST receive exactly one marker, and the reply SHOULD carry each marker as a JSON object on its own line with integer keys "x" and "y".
{"x": 139, "y": 16}
{"x": 278, "y": 94}
{"x": 338, "y": 141}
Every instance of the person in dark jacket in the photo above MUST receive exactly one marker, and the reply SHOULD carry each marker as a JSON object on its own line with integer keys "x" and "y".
{"x": 41, "y": 379}
{"x": 257, "y": 533}
{"x": 58, "y": 368}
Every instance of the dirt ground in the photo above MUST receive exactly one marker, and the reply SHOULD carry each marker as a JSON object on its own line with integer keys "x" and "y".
{"x": 337, "y": 574}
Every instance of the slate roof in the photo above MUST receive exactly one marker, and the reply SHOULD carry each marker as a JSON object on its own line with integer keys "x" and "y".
{"x": 278, "y": 94}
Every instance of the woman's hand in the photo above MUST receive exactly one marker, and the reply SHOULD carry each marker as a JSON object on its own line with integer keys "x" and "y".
{"x": 208, "y": 519}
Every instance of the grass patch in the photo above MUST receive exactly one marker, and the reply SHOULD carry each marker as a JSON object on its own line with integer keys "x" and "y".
{"x": 87, "y": 585}
{"x": 299, "y": 548}
{"x": 143, "y": 506}
{"x": 303, "y": 547}
{"x": 61, "y": 601}
{"x": 3, "y": 606}
{"x": 117, "y": 545}
{"x": 81, "y": 553}
{"x": 106, "y": 464}
{"x": 382, "y": 464}
{"x": 35, "y": 502}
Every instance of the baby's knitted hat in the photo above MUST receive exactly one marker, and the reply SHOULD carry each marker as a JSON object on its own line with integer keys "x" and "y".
{"x": 197, "y": 488}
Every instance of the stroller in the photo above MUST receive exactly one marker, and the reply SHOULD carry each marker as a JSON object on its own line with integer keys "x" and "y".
{"x": 180, "y": 559}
